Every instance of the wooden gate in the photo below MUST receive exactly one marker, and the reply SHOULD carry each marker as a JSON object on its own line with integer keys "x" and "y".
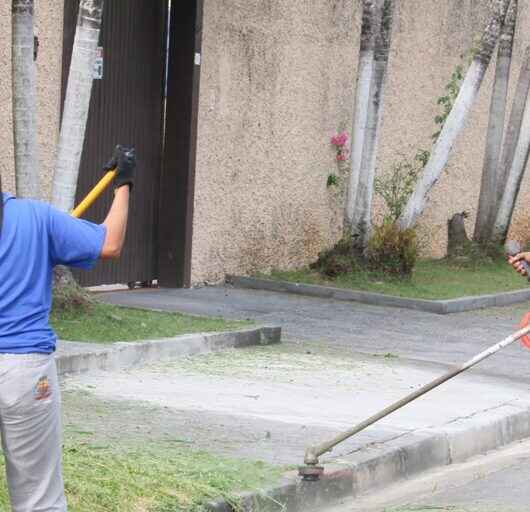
{"x": 127, "y": 107}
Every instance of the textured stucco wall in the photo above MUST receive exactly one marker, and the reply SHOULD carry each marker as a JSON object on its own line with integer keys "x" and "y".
{"x": 278, "y": 77}
{"x": 276, "y": 83}
{"x": 49, "y": 22}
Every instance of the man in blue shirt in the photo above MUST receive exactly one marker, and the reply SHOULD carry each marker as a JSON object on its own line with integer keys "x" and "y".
{"x": 34, "y": 238}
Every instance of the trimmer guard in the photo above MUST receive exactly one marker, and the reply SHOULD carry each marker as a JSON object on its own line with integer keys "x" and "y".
{"x": 525, "y": 340}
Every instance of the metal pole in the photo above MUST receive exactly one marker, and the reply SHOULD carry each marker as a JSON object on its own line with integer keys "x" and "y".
{"x": 314, "y": 452}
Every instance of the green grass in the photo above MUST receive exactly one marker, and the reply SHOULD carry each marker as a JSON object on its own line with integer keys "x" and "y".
{"x": 104, "y": 479}
{"x": 432, "y": 279}
{"x": 106, "y": 324}
{"x": 121, "y": 456}
{"x": 175, "y": 479}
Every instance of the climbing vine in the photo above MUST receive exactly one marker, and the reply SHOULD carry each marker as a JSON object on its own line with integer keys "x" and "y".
{"x": 448, "y": 99}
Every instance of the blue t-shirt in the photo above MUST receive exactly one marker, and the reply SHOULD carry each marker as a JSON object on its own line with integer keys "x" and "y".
{"x": 35, "y": 237}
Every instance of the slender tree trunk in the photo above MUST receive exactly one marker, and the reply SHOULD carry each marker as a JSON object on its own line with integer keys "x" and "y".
{"x": 362, "y": 99}
{"x": 24, "y": 100}
{"x": 77, "y": 103}
{"x": 67, "y": 293}
{"x": 362, "y": 213}
{"x": 488, "y": 190}
{"x": 515, "y": 177}
{"x": 514, "y": 127}
{"x": 457, "y": 117}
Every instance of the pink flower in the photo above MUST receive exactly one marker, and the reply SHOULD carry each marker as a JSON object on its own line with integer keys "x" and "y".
{"x": 339, "y": 139}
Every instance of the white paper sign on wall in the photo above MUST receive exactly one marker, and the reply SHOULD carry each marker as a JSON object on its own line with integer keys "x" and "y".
{"x": 98, "y": 66}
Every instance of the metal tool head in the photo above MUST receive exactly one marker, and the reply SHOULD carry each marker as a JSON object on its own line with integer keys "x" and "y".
{"x": 310, "y": 473}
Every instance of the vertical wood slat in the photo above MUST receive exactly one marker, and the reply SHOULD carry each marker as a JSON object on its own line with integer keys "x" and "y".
{"x": 178, "y": 176}
{"x": 126, "y": 108}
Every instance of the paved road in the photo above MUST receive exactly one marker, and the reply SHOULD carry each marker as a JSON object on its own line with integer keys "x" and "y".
{"x": 369, "y": 329}
{"x": 498, "y": 482}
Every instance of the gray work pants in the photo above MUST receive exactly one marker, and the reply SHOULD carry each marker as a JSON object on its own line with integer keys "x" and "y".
{"x": 30, "y": 425}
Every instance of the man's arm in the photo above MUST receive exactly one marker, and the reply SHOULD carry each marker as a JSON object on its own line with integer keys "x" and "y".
{"x": 116, "y": 224}
{"x": 124, "y": 161}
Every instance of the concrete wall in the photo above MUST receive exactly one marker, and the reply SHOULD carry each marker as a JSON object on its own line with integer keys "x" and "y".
{"x": 276, "y": 83}
{"x": 49, "y": 22}
{"x": 278, "y": 79}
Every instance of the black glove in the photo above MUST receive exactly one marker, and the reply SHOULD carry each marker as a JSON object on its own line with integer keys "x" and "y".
{"x": 124, "y": 161}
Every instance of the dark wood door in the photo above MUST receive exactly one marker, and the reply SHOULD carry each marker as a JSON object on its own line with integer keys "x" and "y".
{"x": 127, "y": 107}
{"x": 178, "y": 178}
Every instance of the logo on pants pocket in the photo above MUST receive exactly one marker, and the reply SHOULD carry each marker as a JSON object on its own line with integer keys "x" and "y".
{"x": 42, "y": 389}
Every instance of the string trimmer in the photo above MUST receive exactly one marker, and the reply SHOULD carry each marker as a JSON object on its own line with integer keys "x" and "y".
{"x": 312, "y": 471}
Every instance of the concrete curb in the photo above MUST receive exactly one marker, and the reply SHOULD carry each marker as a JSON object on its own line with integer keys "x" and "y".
{"x": 376, "y": 467}
{"x": 441, "y": 307}
{"x": 129, "y": 354}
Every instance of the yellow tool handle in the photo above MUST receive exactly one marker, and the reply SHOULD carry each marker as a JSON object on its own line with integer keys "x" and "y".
{"x": 87, "y": 202}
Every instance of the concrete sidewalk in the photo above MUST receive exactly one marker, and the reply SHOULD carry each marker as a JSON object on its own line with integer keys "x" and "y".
{"x": 484, "y": 409}
{"x": 75, "y": 357}
{"x": 270, "y": 403}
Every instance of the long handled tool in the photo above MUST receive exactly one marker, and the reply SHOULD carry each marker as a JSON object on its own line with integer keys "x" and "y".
{"x": 93, "y": 195}
{"x": 312, "y": 471}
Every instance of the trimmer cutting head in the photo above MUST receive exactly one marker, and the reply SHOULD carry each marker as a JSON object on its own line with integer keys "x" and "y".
{"x": 310, "y": 473}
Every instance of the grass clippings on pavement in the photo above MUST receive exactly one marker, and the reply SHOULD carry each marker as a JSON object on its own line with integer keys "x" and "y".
{"x": 431, "y": 279}
{"x": 155, "y": 480}
{"x": 104, "y": 323}
{"x": 127, "y": 457}
{"x": 287, "y": 363}
{"x": 105, "y": 478}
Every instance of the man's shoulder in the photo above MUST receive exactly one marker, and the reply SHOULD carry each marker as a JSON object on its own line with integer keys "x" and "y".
{"x": 26, "y": 208}
{"x": 7, "y": 197}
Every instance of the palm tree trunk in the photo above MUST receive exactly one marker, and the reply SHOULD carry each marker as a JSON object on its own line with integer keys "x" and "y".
{"x": 362, "y": 99}
{"x": 488, "y": 190}
{"x": 24, "y": 100}
{"x": 457, "y": 117}
{"x": 515, "y": 177}
{"x": 362, "y": 215}
{"x": 67, "y": 293}
{"x": 77, "y": 103}
{"x": 514, "y": 127}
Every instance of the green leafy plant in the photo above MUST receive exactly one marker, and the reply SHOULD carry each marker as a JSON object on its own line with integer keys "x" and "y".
{"x": 396, "y": 188}
{"x": 333, "y": 180}
{"x": 447, "y": 100}
{"x": 393, "y": 251}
